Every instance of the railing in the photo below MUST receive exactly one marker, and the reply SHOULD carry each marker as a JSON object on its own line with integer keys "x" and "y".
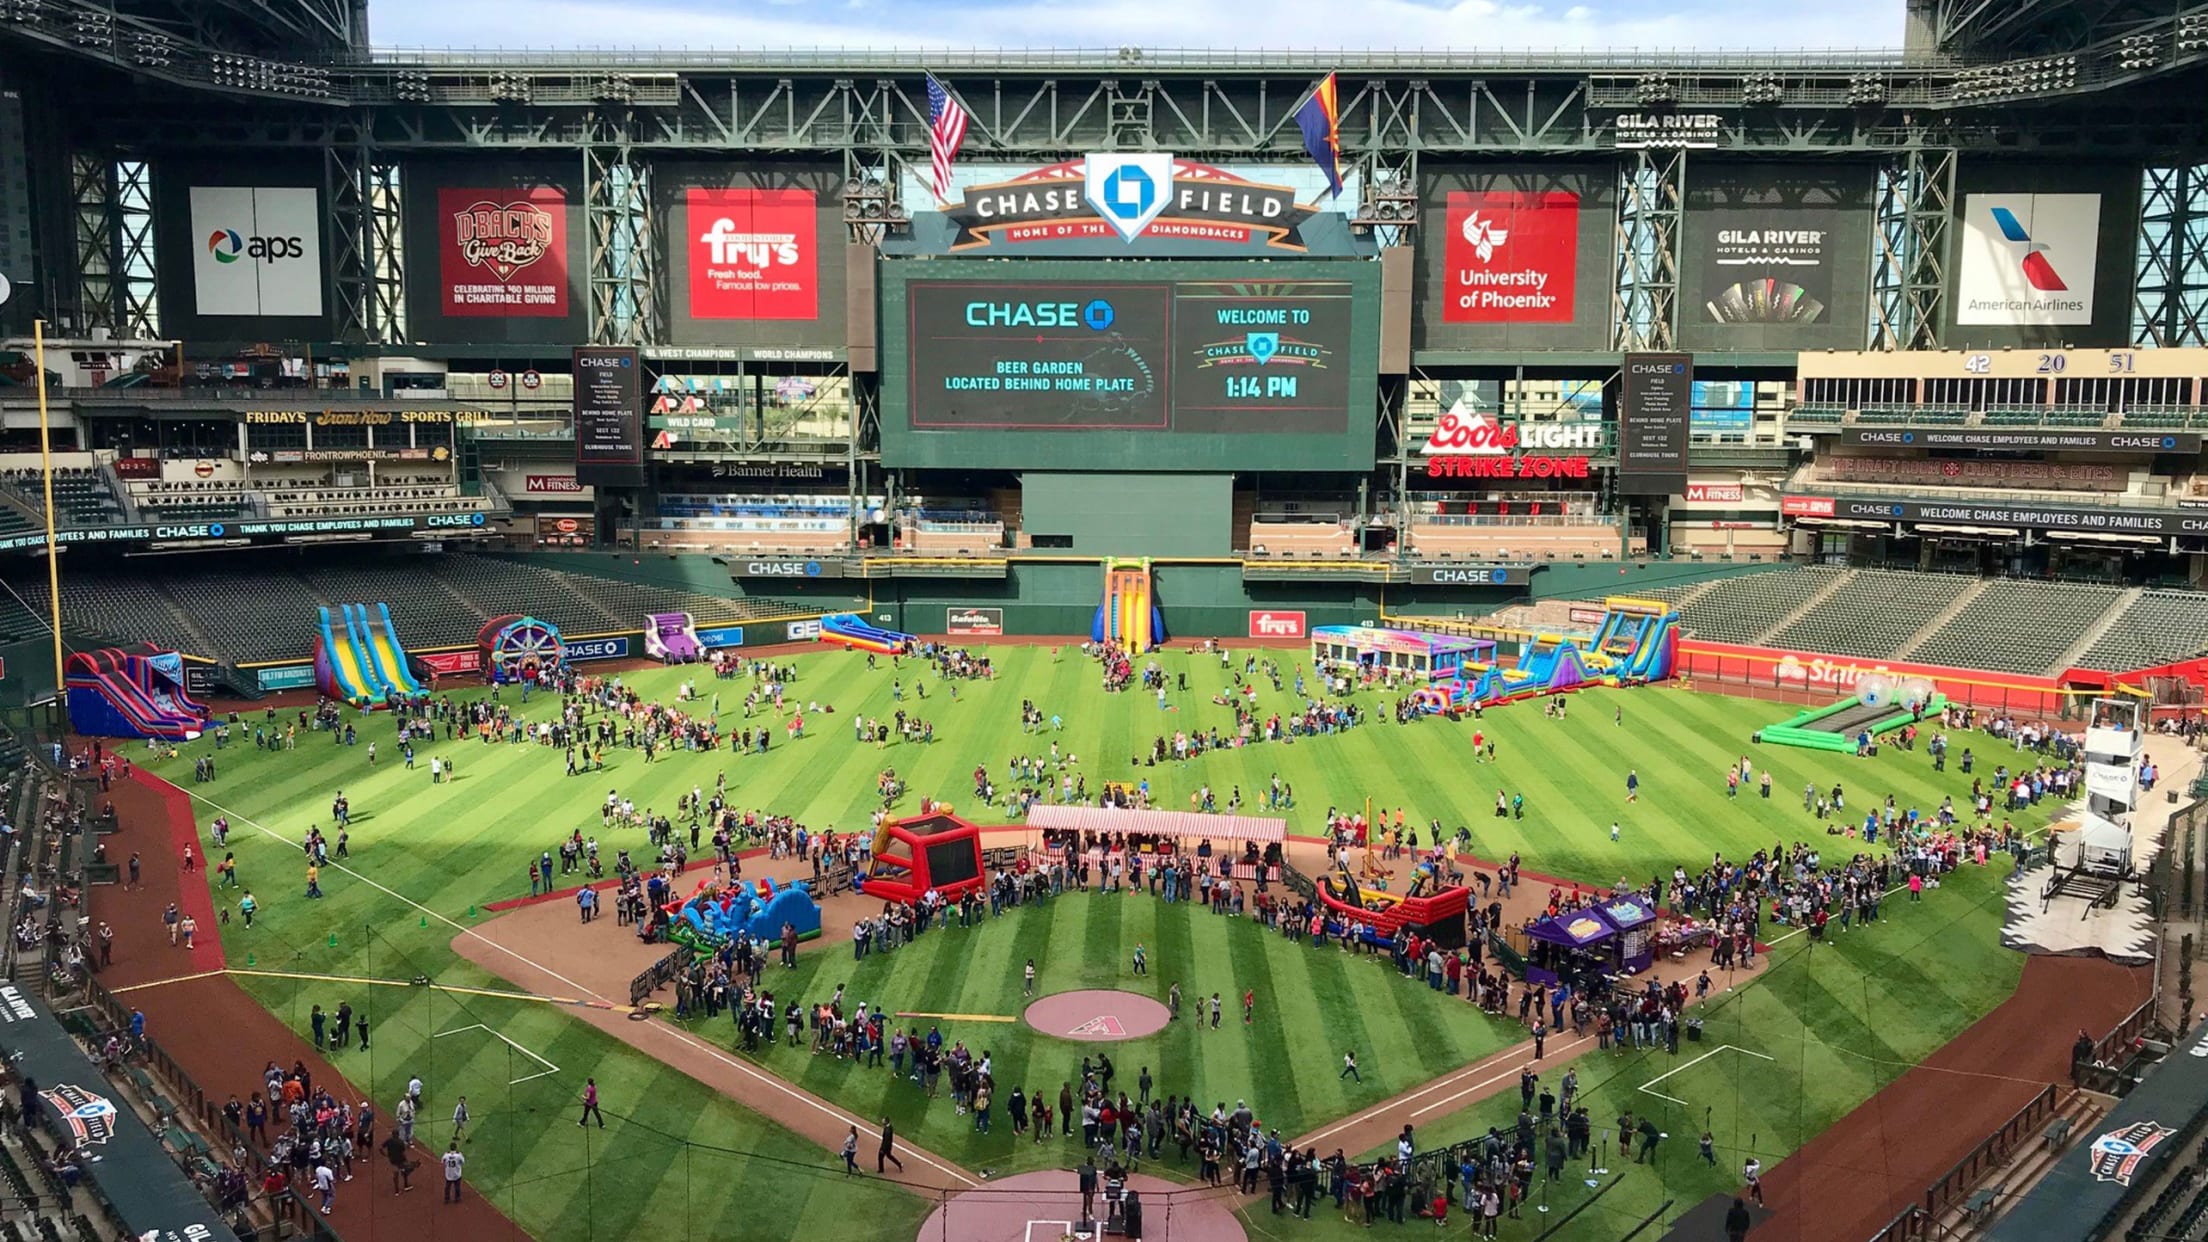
{"x": 290, "y": 1207}
{"x": 657, "y": 975}
{"x": 1921, "y": 1219}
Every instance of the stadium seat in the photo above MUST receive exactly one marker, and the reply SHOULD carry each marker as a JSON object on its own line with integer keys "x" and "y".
{"x": 2158, "y": 628}
{"x": 2017, "y": 625}
{"x": 1874, "y": 613}
{"x": 1741, "y": 609}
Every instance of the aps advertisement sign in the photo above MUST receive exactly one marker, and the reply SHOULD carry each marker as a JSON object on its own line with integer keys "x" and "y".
{"x": 257, "y": 251}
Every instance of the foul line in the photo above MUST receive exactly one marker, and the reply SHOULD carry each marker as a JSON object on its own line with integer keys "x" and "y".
{"x": 960, "y": 1017}
{"x": 1649, "y": 1086}
{"x": 549, "y": 1068}
{"x": 684, "y": 1037}
{"x": 160, "y": 983}
{"x": 355, "y": 980}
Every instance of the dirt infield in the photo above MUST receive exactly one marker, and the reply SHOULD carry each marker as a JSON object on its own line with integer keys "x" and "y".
{"x": 223, "y": 1037}
{"x": 1043, "y": 1207}
{"x": 1845, "y": 1184}
{"x": 1097, "y": 1016}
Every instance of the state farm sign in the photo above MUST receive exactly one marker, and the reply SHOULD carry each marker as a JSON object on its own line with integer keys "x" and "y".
{"x": 1271, "y": 624}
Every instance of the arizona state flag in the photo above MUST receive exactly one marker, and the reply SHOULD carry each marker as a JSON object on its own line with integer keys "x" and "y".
{"x": 1320, "y": 119}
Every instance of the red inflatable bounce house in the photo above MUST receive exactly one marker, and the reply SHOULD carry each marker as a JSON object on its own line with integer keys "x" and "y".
{"x": 936, "y": 850}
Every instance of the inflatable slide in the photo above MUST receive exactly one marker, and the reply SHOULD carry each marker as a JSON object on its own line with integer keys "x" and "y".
{"x": 131, "y": 693}
{"x": 358, "y": 656}
{"x": 847, "y": 629}
{"x": 1881, "y": 704}
{"x": 1129, "y": 614}
{"x": 673, "y": 637}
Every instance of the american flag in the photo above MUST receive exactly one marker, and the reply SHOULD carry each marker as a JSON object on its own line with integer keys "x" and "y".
{"x": 946, "y": 131}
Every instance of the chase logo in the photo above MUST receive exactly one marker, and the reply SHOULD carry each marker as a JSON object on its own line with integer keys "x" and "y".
{"x": 1908, "y": 437}
{"x": 225, "y": 245}
{"x": 1098, "y": 315}
{"x": 1128, "y": 191}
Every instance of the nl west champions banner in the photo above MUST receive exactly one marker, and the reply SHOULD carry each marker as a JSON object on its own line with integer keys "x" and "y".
{"x": 256, "y": 252}
{"x": 502, "y": 253}
{"x": 2028, "y": 259}
{"x": 754, "y": 253}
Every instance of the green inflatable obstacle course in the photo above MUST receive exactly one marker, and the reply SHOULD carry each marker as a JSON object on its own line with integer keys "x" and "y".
{"x": 1835, "y": 727}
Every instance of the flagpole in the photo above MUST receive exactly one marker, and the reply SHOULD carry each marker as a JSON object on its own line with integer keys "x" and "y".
{"x": 46, "y": 467}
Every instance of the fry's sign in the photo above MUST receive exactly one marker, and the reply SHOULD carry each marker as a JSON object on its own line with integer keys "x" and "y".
{"x": 1474, "y": 444}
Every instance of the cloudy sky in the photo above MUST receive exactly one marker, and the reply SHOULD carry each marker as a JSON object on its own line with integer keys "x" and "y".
{"x": 1472, "y": 25}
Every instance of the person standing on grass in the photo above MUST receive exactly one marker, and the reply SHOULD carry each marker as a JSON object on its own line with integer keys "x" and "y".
{"x": 1632, "y": 785}
{"x": 590, "y": 1105}
{"x": 454, "y": 1163}
{"x": 888, "y": 1150}
{"x": 1030, "y": 977}
{"x": 247, "y": 906}
{"x": 460, "y": 1120}
{"x": 1349, "y": 1066}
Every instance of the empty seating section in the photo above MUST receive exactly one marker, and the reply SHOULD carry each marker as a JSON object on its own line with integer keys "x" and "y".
{"x": 1301, "y": 536}
{"x": 1532, "y": 539}
{"x": 1872, "y": 614}
{"x": 436, "y": 601}
{"x": 2161, "y": 416}
{"x": 81, "y": 495}
{"x": 391, "y": 493}
{"x": 1741, "y": 609}
{"x": 191, "y": 500}
{"x": 2158, "y": 628}
{"x": 951, "y": 528}
{"x": 769, "y": 524}
{"x": 2017, "y": 626}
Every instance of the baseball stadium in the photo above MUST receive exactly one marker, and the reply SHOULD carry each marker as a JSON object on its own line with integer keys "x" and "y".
{"x": 1207, "y": 645}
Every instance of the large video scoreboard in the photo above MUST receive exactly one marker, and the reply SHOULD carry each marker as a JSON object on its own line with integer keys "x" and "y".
{"x": 1130, "y": 366}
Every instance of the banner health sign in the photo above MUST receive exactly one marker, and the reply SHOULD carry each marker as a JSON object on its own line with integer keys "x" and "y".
{"x": 1776, "y": 256}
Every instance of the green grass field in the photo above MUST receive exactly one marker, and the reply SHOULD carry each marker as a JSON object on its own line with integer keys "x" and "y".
{"x": 450, "y": 849}
{"x": 1822, "y": 1030}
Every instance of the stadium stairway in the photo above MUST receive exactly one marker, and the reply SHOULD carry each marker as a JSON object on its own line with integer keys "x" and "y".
{"x": 1909, "y": 646}
{"x": 1810, "y": 605}
{"x": 1973, "y": 1215}
{"x": 2099, "y": 629}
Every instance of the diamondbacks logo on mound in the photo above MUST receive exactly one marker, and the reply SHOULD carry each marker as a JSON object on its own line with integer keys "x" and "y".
{"x": 91, "y": 1116}
{"x": 1105, "y": 1025}
{"x": 2116, "y": 1155}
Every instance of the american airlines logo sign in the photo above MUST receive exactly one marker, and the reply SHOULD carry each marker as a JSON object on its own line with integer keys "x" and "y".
{"x": 1269, "y": 624}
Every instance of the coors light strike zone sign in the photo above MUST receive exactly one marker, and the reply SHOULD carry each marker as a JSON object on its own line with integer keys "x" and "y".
{"x": 1474, "y": 444}
{"x": 503, "y": 253}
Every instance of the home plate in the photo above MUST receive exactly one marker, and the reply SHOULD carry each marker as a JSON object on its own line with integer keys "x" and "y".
{"x": 1097, "y": 1015}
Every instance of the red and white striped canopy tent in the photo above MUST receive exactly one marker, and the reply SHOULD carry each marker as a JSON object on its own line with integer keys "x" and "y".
{"x": 1192, "y": 825}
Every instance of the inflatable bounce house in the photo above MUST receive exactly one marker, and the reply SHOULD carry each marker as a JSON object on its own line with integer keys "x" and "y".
{"x": 1881, "y": 704}
{"x": 760, "y": 909}
{"x": 517, "y": 649}
{"x": 358, "y": 658}
{"x": 1129, "y": 614}
{"x": 131, "y": 692}
{"x": 1636, "y": 643}
{"x": 673, "y": 637}
{"x": 847, "y": 629}
{"x": 1431, "y": 909}
{"x": 936, "y": 851}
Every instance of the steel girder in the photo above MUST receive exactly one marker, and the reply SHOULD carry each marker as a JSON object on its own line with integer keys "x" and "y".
{"x": 2171, "y": 305}
{"x": 1915, "y": 210}
{"x": 1644, "y": 297}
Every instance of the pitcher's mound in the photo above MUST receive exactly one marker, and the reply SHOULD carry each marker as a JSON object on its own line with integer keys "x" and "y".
{"x": 1097, "y": 1015}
